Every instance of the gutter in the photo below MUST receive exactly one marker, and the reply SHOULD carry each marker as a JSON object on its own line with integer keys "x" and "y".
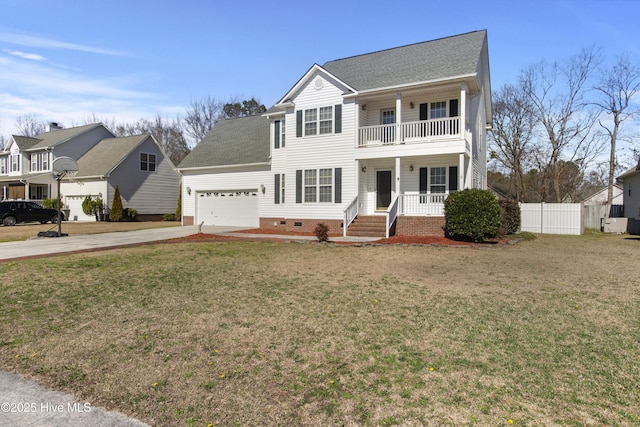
{"x": 245, "y": 165}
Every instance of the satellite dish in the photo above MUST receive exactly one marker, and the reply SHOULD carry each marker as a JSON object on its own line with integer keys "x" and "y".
{"x": 62, "y": 166}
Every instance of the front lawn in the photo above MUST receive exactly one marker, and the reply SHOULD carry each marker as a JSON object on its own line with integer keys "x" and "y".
{"x": 545, "y": 332}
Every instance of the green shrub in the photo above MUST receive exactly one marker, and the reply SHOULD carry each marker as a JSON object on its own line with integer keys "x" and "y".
{"x": 51, "y": 203}
{"x": 129, "y": 214}
{"x": 510, "y": 216}
{"x": 115, "y": 214}
{"x": 472, "y": 214}
{"x": 322, "y": 232}
{"x": 91, "y": 206}
{"x": 168, "y": 217}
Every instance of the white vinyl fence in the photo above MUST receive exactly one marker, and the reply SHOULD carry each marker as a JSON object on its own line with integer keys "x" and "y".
{"x": 551, "y": 218}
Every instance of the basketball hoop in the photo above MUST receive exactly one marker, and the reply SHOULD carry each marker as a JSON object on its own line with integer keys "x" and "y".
{"x": 61, "y": 167}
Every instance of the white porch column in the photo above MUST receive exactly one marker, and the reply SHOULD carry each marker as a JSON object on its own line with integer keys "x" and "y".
{"x": 463, "y": 109}
{"x": 398, "y": 173}
{"x": 357, "y": 120}
{"x": 399, "y": 137}
{"x": 462, "y": 184}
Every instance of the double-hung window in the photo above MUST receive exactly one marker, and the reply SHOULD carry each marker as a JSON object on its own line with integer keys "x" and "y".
{"x": 3, "y": 165}
{"x": 438, "y": 110}
{"x": 326, "y": 120}
{"x": 311, "y": 122}
{"x": 147, "y": 162}
{"x": 15, "y": 163}
{"x": 438, "y": 180}
{"x": 318, "y": 185}
{"x": 310, "y": 185}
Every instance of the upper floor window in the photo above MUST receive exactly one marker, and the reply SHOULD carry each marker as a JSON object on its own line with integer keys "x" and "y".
{"x": 15, "y": 163}
{"x": 39, "y": 162}
{"x": 3, "y": 165}
{"x": 278, "y": 133}
{"x": 438, "y": 110}
{"x": 319, "y": 121}
{"x": 148, "y": 162}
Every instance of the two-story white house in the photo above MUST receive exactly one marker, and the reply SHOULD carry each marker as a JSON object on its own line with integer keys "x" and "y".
{"x": 380, "y": 138}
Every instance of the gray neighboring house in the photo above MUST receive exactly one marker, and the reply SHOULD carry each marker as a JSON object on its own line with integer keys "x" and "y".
{"x": 631, "y": 193}
{"x": 144, "y": 174}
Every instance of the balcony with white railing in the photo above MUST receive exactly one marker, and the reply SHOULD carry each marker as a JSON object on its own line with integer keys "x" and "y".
{"x": 412, "y": 132}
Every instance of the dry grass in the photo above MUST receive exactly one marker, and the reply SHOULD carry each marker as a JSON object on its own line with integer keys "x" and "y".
{"x": 542, "y": 333}
{"x": 26, "y": 231}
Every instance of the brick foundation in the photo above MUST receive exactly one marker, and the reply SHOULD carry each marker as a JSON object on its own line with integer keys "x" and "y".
{"x": 420, "y": 226}
{"x": 187, "y": 220}
{"x": 301, "y": 225}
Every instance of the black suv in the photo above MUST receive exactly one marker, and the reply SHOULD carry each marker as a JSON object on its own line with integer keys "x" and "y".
{"x": 12, "y": 212}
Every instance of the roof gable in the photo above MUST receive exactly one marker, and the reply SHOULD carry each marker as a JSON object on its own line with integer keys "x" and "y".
{"x": 105, "y": 156}
{"x": 238, "y": 141}
{"x": 310, "y": 75}
{"x": 24, "y": 142}
{"x": 434, "y": 60}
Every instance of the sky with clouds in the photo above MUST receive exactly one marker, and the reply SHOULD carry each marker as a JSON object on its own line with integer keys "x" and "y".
{"x": 69, "y": 60}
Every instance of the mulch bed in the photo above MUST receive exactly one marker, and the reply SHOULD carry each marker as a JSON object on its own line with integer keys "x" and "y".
{"x": 406, "y": 240}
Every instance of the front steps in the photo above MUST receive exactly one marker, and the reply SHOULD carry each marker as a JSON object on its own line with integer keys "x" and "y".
{"x": 368, "y": 226}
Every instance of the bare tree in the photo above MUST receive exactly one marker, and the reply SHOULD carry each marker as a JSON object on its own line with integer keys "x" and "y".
{"x": 615, "y": 88}
{"x": 201, "y": 117}
{"x": 513, "y": 131}
{"x": 167, "y": 132}
{"x": 557, "y": 93}
{"x": 30, "y": 125}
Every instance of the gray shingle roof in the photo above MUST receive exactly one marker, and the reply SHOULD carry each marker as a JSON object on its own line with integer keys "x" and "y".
{"x": 420, "y": 62}
{"x": 232, "y": 142}
{"x": 25, "y": 142}
{"x": 107, "y": 154}
{"x": 49, "y": 139}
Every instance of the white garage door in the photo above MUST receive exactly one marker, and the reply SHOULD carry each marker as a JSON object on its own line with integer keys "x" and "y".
{"x": 236, "y": 208}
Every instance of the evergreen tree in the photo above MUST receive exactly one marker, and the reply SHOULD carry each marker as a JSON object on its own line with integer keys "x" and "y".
{"x": 115, "y": 214}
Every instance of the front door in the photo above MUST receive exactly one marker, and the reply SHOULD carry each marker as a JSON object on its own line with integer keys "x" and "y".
{"x": 383, "y": 193}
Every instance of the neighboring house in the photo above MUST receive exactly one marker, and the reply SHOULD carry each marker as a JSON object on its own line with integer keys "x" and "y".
{"x": 382, "y": 136}
{"x": 631, "y": 192}
{"x": 25, "y": 166}
{"x": 600, "y": 197}
{"x": 137, "y": 165}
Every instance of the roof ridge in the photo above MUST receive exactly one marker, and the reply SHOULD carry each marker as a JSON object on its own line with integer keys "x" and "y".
{"x": 403, "y": 46}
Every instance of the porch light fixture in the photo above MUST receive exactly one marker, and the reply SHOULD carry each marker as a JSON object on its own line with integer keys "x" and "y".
{"x": 364, "y": 169}
{"x": 189, "y": 190}
{"x": 262, "y": 188}
{"x": 364, "y": 107}
{"x": 410, "y": 168}
{"x": 411, "y": 105}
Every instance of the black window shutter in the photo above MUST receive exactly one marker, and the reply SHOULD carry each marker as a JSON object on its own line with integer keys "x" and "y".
{"x": 299, "y": 186}
{"x": 276, "y": 189}
{"x": 338, "y": 128}
{"x": 276, "y": 134}
{"x": 453, "y": 178}
{"x": 423, "y": 111}
{"x": 423, "y": 180}
{"x": 338, "y": 185}
{"x": 453, "y": 108}
{"x": 299, "y": 123}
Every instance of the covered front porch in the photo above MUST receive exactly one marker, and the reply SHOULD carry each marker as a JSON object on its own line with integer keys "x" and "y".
{"x": 23, "y": 189}
{"x": 414, "y": 186}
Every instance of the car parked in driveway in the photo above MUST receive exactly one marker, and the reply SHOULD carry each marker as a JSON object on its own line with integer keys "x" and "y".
{"x": 15, "y": 211}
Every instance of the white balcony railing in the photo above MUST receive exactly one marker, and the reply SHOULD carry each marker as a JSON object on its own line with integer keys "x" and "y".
{"x": 400, "y": 133}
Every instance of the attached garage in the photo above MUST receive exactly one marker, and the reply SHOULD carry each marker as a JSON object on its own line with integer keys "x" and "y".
{"x": 232, "y": 208}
